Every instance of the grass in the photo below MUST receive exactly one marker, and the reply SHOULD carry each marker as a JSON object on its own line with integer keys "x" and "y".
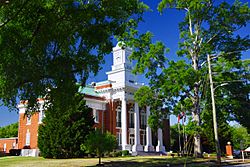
{"x": 118, "y": 162}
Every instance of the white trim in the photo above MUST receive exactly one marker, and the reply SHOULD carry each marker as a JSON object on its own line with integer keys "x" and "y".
{"x": 96, "y": 116}
{"x": 94, "y": 100}
{"x": 41, "y": 116}
{"x": 27, "y": 138}
{"x": 22, "y": 108}
{"x": 11, "y": 138}
{"x": 4, "y": 147}
{"x": 95, "y": 104}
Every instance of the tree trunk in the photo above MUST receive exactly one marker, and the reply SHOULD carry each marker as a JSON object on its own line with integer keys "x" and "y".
{"x": 197, "y": 139}
{"x": 196, "y": 111}
{"x": 99, "y": 160}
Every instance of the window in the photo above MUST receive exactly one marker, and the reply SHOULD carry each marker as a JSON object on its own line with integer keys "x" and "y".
{"x": 41, "y": 116}
{"x": 143, "y": 138}
{"x": 118, "y": 116}
{"x": 28, "y": 119}
{"x": 27, "y": 143}
{"x": 131, "y": 139}
{"x": 143, "y": 119}
{"x": 131, "y": 118}
{"x": 96, "y": 115}
{"x": 4, "y": 147}
{"x": 119, "y": 138}
{"x": 13, "y": 145}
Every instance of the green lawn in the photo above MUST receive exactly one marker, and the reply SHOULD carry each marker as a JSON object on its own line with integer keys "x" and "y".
{"x": 121, "y": 161}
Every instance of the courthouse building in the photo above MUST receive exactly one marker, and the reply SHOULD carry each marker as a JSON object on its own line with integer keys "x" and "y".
{"x": 114, "y": 109}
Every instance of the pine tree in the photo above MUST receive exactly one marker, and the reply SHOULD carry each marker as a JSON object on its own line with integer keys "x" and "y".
{"x": 64, "y": 129}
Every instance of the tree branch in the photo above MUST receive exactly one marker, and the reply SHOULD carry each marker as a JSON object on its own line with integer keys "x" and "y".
{"x": 15, "y": 15}
{"x": 212, "y": 38}
{"x": 190, "y": 23}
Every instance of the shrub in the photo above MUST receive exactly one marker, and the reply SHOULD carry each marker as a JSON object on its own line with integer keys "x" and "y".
{"x": 125, "y": 152}
{"x": 15, "y": 152}
{"x": 2, "y": 154}
{"x": 99, "y": 143}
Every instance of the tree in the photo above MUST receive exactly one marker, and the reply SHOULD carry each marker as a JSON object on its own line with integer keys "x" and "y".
{"x": 49, "y": 44}
{"x": 207, "y": 29}
{"x": 146, "y": 97}
{"x": 241, "y": 138}
{"x": 224, "y": 130}
{"x": 99, "y": 143}
{"x": 65, "y": 128}
{"x": 9, "y": 131}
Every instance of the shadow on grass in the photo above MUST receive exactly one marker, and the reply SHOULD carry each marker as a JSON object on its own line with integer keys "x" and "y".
{"x": 157, "y": 162}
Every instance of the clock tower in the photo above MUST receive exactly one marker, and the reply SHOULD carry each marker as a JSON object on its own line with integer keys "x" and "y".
{"x": 122, "y": 66}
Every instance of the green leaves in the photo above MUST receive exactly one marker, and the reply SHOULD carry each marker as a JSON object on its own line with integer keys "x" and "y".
{"x": 9, "y": 131}
{"x": 65, "y": 128}
{"x": 99, "y": 143}
{"x": 240, "y": 137}
{"x": 208, "y": 28}
{"x": 144, "y": 96}
{"x": 46, "y": 44}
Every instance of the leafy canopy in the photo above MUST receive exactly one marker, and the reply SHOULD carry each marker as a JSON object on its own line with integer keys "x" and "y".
{"x": 208, "y": 28}
{"x": 49, "y": 44}
{"x": 9, "y": 131}
{"x": 99, "y": 143}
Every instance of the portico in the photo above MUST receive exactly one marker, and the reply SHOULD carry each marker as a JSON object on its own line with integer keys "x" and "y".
{"x": 133, "y": 133}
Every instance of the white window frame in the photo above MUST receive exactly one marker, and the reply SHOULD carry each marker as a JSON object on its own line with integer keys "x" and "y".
{"x": 4, "y": 147}
{"x": 131, "y": 139}
{"x": 96, "y": 115}
{"x": 119, "y": 138}
{"x": 143, "y": 118}
{"x": 131, "y": 119}
{"x": 13, "y": 145}
{"x": 118, "y": 115}
{"x": 27, "y": 139}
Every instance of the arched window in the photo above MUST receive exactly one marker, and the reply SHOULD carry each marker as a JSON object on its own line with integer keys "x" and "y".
{"x": 131, "y": 117}
{"x": 118, "y": 116}
{"x": 27, "y": 143}
{"x": 143, "y": 119}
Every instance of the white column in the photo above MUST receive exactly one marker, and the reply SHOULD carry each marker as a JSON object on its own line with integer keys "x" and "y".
{"x": 137, "y": 146}
{"x": 160, "y": 147}
{"x": 149, "y": 147}
{"x": 124, "y": 125}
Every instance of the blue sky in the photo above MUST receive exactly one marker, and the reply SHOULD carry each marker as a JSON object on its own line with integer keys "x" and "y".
{"x": 164, "y": 28}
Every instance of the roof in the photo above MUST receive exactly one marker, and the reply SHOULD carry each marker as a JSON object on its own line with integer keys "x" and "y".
{"x": 10, "y": 138}
{"x": 89, "y": 90}
{"x": 248, "y": 149}
{"x": 103, "y": 83}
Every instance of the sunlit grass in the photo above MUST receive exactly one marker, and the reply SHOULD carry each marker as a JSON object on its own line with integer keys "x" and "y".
{"x": 119, "y": 161}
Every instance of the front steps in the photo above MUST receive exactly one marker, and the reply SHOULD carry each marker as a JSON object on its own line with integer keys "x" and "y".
{"x": 153, "y": 153}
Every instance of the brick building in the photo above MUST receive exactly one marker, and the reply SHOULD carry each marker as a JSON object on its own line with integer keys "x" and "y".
{"x": 114, "y": 110}
{"x": 8, "y": 143}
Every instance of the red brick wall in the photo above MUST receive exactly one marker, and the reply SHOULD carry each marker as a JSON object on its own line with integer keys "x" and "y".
{"x": 9, "y": 144}
{"x": 24, "y": 127}
{"x": 99, "y": 124}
